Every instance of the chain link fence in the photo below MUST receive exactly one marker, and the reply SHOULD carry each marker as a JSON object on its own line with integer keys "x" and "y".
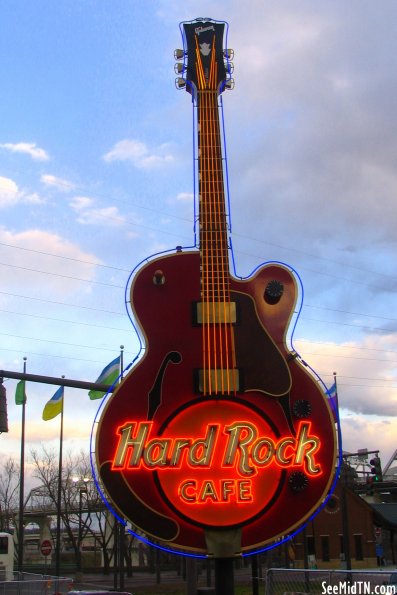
{"x": 280, "y": 581}
{"x": 25, "y": 583}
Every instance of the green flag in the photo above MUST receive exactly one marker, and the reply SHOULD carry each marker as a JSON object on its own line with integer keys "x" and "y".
{"x": 20, "y": 396}
{"x": 108, "y": 375}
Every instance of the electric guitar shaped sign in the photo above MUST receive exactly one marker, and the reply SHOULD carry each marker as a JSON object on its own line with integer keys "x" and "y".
{"x": 218, "y": 429}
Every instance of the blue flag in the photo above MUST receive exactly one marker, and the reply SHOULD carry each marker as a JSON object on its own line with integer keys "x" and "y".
{"x": 332, "y": 397}
{"x": 54, "y": 406}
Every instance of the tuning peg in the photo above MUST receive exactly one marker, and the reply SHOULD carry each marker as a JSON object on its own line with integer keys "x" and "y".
{"x": 228, "y": 54}
{"x": 229, "y": 84}
{"x": 179, "y": 68}
{"x": 179, "y": 54}
{"x": 180, "y": 82}
{"x": 229, "y": 67}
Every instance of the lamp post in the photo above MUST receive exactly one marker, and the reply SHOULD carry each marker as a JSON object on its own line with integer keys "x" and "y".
{"x": 82, "y": 487}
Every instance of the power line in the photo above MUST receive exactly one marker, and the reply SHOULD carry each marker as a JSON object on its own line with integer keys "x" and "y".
{"x": 350, "y": 324}
{"x": 350, "y": 312}
{"x": 56, "y": 342}
{"x": 14, "y": 266}
{"x": 47, "y": 355}
{"x": 344, "y": 346}
{"x": 79, "y": 306}
{"x": 79, "y": 260}
{"x": 311, "y": 256}
{"x": 63, "y": 320}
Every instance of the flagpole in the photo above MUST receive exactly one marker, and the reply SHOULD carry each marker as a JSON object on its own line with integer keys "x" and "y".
{"x": 118, "y": 537}
{"x": 122, "y": 525}
{"x": 344, "y": 506}
{"x": 59, "y": 499}
{"x": 22, "y": 481}
{"x": 336, "y": 393}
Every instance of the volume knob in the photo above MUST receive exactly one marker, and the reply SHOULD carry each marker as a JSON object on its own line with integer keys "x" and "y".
{"x": 273, "y": 292}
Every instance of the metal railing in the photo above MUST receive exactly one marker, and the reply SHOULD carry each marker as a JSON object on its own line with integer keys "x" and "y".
{"x": 279, "y": 581}
{"x": 26, "y": 583}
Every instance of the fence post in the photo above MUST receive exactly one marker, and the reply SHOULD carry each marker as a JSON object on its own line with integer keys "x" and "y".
{"x": 269, "y": 582}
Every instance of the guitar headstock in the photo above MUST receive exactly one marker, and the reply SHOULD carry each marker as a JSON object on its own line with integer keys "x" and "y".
{"x": 204, "y": 64}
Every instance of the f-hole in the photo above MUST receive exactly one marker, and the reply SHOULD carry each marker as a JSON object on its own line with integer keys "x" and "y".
{"x": 154, "y": 396}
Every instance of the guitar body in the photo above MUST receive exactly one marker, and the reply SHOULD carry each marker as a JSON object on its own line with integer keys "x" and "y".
{"x": 218, "y": 441}
{"x": 163, "y": 382}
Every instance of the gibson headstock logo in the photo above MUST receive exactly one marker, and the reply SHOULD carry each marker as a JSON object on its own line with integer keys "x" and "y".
{"x": 199, "y": 30}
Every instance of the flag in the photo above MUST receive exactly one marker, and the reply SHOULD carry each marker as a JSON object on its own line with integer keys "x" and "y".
{"x": 332, "y": 397}
{"x": 108, "y": 375}
{"x": 20, "y": 396}
{"x": 54, "y": 406}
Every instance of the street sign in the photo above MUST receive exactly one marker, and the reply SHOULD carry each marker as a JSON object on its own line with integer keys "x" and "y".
{"x": 46, "y": 547}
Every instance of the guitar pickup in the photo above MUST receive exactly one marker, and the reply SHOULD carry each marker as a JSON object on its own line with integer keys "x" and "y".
{"x": 218, "y": 381}
{"x": 214, "y": 313}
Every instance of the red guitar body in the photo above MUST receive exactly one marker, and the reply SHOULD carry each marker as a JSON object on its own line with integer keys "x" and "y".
{"x": 165, "y": 314}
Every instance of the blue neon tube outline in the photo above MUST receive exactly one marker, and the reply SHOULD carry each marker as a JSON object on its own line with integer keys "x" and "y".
{"x": 142, "y": 346}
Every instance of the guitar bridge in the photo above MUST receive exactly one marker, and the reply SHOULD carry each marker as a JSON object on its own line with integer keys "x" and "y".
{"x": 217, "y": 381}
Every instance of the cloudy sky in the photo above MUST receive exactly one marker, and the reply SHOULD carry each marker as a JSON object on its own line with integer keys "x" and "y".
{"x": 96, "y": 174}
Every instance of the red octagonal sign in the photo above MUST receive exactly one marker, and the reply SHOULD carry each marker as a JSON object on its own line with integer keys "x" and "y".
{"x": 46, "y": 547}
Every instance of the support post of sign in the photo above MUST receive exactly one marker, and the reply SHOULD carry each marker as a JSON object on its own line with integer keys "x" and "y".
{"x": 224, "y": 576}
{"x": 116, "y": 555}
{"x": 255, "y": 574}
{"x": 122, "y": 555}
{"x": 191, "y": 576}
{"x": 224, "y": 546}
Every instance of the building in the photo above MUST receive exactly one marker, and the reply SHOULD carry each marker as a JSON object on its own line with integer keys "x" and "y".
{"x": 370, "y": 527}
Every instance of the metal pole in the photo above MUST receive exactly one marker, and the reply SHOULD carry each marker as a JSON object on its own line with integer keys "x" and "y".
{"x": 55, "y": 380}
{"x": 255, "y": 573}
{"x": 122, "y": 555}
{"x": 345, "y": 524}
{"x": 122, "y": 525}
{"x": 59, "y": 501}
{"x": 115, "y": 554}
{"x": 224, "y": 576}
{"x": 79, "y": 540}
{"x": 22, "y": 482}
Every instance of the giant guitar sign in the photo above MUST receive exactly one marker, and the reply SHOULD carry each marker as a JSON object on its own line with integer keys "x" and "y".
{"x": 218, "y": 430}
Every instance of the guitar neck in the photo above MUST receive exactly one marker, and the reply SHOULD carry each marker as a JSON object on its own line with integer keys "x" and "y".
{"x": 212, "y": 211}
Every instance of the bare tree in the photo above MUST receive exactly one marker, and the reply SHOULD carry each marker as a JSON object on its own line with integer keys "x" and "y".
{"x": 9, "y": 498}
{"x": 81, "y": 508}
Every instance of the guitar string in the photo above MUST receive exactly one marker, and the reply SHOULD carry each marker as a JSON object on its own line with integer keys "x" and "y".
{"x": 203, "y": 267}
{"x": 218, "y": 336}
{"x": 217, "y": 347}
{"x": 227, "y": 305}
{"x": 217, "y": 238}
{"x": 226, "y": 334}
{"x": 209, "y": 254}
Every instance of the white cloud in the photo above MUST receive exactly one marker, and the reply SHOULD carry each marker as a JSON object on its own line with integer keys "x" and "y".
{"x": 79, "y": 203}
{"x": 139, "y": 154}
{"x": 185, "y": 197}
{"x": 33, "y": 198}
{"x": 359, "y": 431}
{"x": 58, "y": 183}
{"x": 88, "y": 215}
{"x": 366, "y": 374}
{"x": 31, "y": 149}
{"x": 11, "y": 195}
{"x": 60, "y": 260}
